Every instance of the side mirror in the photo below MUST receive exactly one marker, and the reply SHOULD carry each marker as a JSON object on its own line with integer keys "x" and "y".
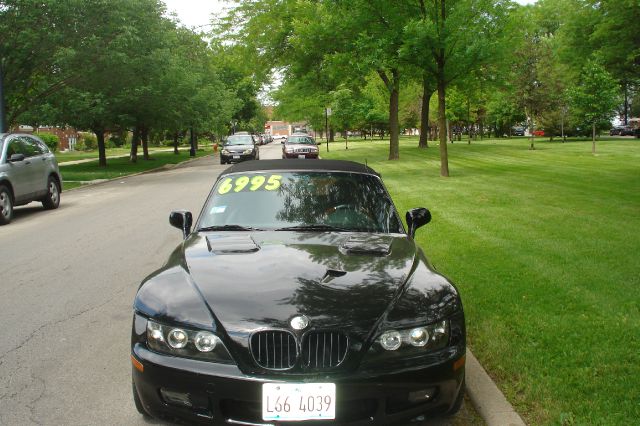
{"x": 182, "y": 220}
{"x": 16, "y": 158}
{"x": 416, "y": 218}
{"x": 318, "y": 143}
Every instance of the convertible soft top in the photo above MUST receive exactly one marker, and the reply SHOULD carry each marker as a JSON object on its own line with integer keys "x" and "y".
{"x": 307, "y": 165}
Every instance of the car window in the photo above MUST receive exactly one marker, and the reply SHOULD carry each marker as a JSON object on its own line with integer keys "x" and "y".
{"x": 30, "y": 147}
{"x": 350, "y": 201}
{"x": 300, "y": 140}
{"x": 16, "y": 146}
{"x": 42, "y": 147}
{"x": 240, "y": 140}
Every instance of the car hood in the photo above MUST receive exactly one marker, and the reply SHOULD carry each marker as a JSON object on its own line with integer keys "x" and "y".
{"x": 263, "y": 279}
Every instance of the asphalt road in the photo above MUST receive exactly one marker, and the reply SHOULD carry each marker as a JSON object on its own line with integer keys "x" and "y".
{"x": 68, "y": 280}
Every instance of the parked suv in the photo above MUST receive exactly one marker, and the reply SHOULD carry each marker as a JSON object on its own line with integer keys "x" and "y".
{"x": 28, "y": 172}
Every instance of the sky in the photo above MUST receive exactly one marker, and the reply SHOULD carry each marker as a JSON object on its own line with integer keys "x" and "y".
{"x": 197, "y": 13}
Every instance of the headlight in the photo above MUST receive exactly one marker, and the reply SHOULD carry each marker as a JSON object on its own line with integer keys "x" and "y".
{"x": 434, "y": 336}
{"x": 390, "y": 340}
{"x": 248, "y": 151}
{"x": 408, "y": 343}
{"x": 184, "y": 342}
{"x": 288, "y": 150}
{"x": 225, "y": 152}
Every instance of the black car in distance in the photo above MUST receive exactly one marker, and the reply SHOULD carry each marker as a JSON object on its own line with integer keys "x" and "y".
{"x": 298, "y": 297}
{"x": 239, "y": 147}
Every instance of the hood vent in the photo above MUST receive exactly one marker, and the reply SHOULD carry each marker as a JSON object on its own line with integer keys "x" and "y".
{"x": 231, "y": 244}
{"x": 377, "y": 245}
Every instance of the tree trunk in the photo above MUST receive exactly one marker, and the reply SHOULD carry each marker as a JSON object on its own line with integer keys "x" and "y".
{"x": 102, "y": 152}
{"x": 442, "y": 83}
{"x": 469, "y": 120}
{"x": 332, "y": 134}
{"x": 626, "y": 103}
{"x": 593, "y": 138}
{"x": 175, "y": 143}
{"x": 394, "y": 125}
{"x": 533, "y": 135}
{"x": 133, "y": 156}
{"x": 192, "y": 143}
{"x": 442, "y": 124}
{"x": 427, "y": 90}
{"x": 144, "y": 134}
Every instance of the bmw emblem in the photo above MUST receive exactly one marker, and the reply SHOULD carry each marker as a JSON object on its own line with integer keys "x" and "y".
{"x": 300, "y": 322}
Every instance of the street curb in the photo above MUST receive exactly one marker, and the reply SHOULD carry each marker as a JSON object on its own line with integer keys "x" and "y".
{"x": 157, "y": 169}
{"x": 487, "y": 399}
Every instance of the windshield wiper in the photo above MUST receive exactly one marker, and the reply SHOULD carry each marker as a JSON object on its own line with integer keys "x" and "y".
{"x": 229, "y": 228}
{"x": 318, "y": 227}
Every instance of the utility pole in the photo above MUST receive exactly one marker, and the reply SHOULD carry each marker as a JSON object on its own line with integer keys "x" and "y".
{"x": 3, "y": 123}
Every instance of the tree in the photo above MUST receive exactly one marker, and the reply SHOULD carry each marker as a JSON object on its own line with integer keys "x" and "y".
{"x": 595, "y": 97}
{"x": 449, "y": 39}
{"x": 604, "y": 28}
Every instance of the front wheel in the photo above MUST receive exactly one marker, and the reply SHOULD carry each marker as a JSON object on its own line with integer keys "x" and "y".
{"x": 52, "y": 199}
{"x": 6, "y": 205}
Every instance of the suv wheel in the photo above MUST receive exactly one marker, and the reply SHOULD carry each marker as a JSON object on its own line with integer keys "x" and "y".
{"x": 52, "y": 199}
{"x": 6, "y": 205}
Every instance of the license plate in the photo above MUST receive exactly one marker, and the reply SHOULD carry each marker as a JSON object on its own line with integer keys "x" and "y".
{"x": 236, "y": 157}
{"x": 301, "y": 401}
{"x": 302, "y": 156}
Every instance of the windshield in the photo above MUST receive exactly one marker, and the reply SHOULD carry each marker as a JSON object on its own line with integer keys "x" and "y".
{"x": 301, "y": 140}
{"x": 239, "y": 140}
{"x": 308, "y": 200}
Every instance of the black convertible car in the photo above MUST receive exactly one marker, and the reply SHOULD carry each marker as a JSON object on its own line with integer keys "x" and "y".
{"x": 298, "y": 296}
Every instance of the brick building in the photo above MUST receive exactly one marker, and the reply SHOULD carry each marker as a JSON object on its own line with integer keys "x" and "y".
{"x": 68, "y": 136}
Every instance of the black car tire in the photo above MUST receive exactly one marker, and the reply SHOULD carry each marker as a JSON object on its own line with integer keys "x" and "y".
{"x": 52, "y": 199}
{"x": 137, "y": 402}
{"x": 222, "y": 161}
{"x": 6, "y": 205}
{"x": 459, "y": 399}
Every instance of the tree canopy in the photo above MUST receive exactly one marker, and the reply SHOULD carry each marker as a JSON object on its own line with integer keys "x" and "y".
{"x": 126, "y": 66}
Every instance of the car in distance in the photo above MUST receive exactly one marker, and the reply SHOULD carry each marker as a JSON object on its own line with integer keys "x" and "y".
{"x": 518, "y": 131}
{"x": 626, "y": 131}
{"x": 28, "y": 172}
{"x": 239, "y": 147}
{"x": 355, "y": 327}
{"x": 300, "y": 145}
{"x": 615, "y": 131}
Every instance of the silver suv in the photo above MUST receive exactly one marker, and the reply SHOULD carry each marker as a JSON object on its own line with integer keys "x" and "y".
{"x": 28, "y": 172}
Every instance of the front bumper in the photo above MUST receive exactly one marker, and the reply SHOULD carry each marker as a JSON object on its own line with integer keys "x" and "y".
{"x": 313, "y": 155}
{"x": 222, "y": 395}
{"x": 236, "y": 158}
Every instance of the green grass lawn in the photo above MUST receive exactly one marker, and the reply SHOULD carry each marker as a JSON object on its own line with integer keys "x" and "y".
{"x": 63, "y": 157}
{"x": 73, "y": 174}
{"x": 544, "y": 246}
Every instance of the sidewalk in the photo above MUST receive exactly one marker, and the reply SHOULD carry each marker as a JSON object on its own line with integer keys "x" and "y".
{"x": 88, "y": 160}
